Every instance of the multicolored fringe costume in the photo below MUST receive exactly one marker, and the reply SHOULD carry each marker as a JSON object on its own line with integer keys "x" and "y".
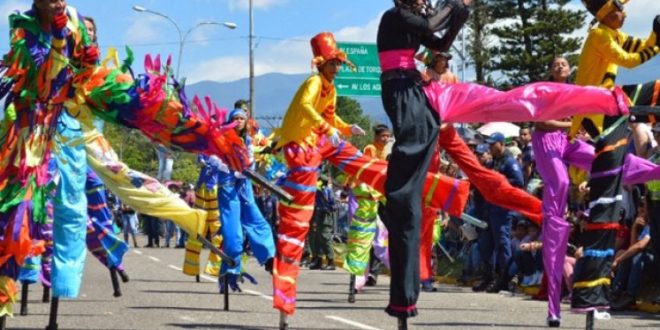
{"x": 363, "y": 227}
{"x": 604, "y": 50}
{"x": 409, "y": 105}
{"x": 101, "y": 239}
{"x": 206, "y": 198}
{"x": 51, "y": 96}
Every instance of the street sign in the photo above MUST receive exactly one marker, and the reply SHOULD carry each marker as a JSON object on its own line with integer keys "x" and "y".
{"x": 365, "y": 81}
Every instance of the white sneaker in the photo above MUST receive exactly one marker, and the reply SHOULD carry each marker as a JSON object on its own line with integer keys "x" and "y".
{"x": 603, "y": 316}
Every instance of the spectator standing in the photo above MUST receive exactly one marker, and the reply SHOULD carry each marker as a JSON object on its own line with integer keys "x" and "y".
{"x": 129, "y": 221}
{"x": 322, "y": 225}
{"x": 495, "y": 247}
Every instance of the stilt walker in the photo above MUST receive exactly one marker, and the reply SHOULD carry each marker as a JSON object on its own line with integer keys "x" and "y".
{"x": 37, "y": 83}
{"x": 363, "y": 228}
{"x": 605, "y": 49}
{"x": 239, "y": 214}
{"x": 206, "y": 198}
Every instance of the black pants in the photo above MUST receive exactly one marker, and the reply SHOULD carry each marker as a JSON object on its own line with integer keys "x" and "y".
{"x": 416, "y": 131}
{"x": 151, "y": 227}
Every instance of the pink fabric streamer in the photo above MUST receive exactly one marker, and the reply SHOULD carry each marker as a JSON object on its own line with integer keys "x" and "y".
{"x": 473, "y": 103}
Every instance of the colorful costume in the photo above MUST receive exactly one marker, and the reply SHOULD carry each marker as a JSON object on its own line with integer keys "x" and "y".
{"x": 206, "y": 198}
{"x": 604, "y": 50}
{"x": 51, "y": 87}
{"x": 401, "y": 31}
{"x": 363, "y": 228}
{"x": 239, "y": 213}
{"x": 302, "y": 137}
{"x": 552, "y": 151}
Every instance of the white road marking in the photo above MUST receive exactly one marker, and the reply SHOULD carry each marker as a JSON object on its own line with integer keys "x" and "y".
{"x": 137, "y": 251}
{"x": 175, "y": 267}
{"x": 209, "y": 278}
{"x": 258, "y": 294}
{"x": 351, "y": 323}
{"x": 154, "y": 259}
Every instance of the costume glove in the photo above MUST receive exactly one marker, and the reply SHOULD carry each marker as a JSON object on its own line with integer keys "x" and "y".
{"x": 357, "y": 130}
{"x": 91, "y": 55}
{"x": 219, "y": 164}
{"x": 58, "y": 25}
{"x": 334, "y": 138}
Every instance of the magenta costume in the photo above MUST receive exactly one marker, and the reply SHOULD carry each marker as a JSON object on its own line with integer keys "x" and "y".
{"x": 553, "y": 151}
{"x": 473, "y": 103}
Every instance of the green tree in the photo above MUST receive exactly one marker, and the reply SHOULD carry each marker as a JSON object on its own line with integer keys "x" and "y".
{"x": 479, "y": 40}
{"x": 351, "y": 112}
{"x": 533, "y": 33}
{"x": 139, "y": 154}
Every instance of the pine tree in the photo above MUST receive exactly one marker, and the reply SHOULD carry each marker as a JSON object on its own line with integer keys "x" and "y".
{"x": 531, "y": 33}
{"x": 480, "y": 37}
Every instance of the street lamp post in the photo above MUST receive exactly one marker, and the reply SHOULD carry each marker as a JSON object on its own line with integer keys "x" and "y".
{"x": 162, "y": 159}
{"x": 182, "y": 36}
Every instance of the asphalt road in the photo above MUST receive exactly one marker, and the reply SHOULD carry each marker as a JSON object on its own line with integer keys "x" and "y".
{"x": 159, "y": 296}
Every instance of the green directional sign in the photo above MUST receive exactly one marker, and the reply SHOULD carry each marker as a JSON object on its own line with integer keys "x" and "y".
{"x": 365, "y": 80}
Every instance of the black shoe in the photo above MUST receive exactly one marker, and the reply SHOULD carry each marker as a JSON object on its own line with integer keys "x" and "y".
{"x": 371, "y": 280}
{"x": 483, "y": 285}
{"x": 427, "y": 286}
{"x": 124, "y": 276}
{"x": 268, "y": 265}
{"x": 149, "y": 246}
{"x": 494, "y": 287}
{"x": 554, "y": 322}
{"x": 316, "y": 264}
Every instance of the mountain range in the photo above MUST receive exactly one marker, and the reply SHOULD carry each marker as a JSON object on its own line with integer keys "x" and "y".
{"x": 273, "y": 94}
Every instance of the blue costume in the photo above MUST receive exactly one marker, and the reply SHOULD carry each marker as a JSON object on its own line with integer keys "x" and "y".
{"x": 239, "y": 213}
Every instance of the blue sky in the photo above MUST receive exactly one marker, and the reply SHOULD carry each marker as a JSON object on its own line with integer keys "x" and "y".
{"x": 283, "y": 28}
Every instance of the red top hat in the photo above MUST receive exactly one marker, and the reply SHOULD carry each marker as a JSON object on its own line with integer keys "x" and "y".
{"x": 325, "y": 49}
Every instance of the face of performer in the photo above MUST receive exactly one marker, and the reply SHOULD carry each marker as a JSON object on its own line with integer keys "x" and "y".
{"x": 49, "y": 8}
{"x": 615, "y": 19}
{"x": 242, "y": 121}
{"x": 91, "y": 30}
{"x": 560, "y": 70}
{"x": 329, "y": 69}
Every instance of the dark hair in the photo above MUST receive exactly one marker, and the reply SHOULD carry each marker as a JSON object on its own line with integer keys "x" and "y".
{"x": 380, "y": 129}
{"x": 240, "y": 103}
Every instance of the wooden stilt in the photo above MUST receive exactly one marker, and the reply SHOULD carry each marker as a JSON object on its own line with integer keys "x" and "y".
{"x": 402, "y": 323}
{"x": 197, "y": 278}
{"x": 45, "y": 297}
{"x": 590, "y": 321}
{"x": 351, "y": 290}
{"x": 24, "y": 299}
{"x": 225, "y": 288}
{"x": 52, "y": 319}
{"x": 3, "y": 320}
{"x": 284, "y": 324}
{"x": 115, "y": 282}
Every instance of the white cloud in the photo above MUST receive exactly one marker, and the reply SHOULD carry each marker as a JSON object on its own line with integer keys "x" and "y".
{"x": 257, "y": 4}
{"x": 288, "y": 56}
{"x": 9, "y": 6}
{"x": 640, "y": 17}
{"x": 149, "y": 28}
